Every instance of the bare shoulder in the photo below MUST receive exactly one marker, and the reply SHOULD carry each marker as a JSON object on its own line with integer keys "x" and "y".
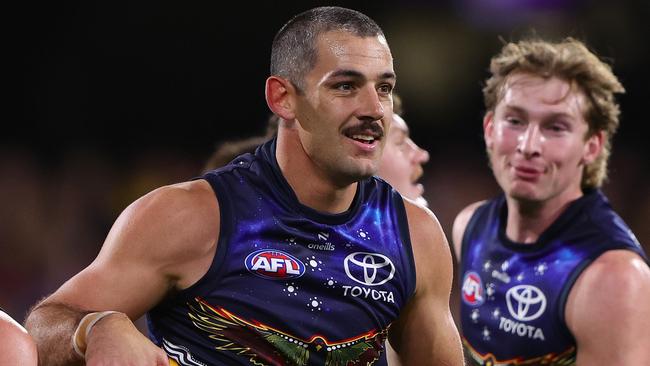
{"x": 11, "y": 328}
{"x": 178, "y": 201}
{"x": 16, "y": 345}
{"x": 422, "y": 222}
{"x": 616, "y": 276}
{"x": 610, "y": 299}
{"x": 186, "y": 213}
{"x": 429, "y": 243}
{"x": 460, "y": 224}
{"x": 167, "y": 236}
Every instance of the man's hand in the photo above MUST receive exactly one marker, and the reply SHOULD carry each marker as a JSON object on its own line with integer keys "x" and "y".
{"x": 130, "y": 348}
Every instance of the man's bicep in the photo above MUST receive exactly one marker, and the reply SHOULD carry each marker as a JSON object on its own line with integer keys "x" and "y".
{"x": 604, "y": 310}
{"x": 146, "y": 252}
{"x": 428, "y": 330}
{"x": 128, "y": 288}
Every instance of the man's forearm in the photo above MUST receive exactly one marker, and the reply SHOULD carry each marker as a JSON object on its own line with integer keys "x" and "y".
{"x": 52, "y": 326}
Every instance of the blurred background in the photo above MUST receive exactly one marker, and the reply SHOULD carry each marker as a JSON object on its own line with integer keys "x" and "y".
{"x": 116, "y": 98}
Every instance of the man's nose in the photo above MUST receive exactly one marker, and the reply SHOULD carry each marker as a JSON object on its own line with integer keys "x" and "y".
{"x": 420, "y": 155}
{"x": 529, "y": 142}
{"x": 370, "y": 107}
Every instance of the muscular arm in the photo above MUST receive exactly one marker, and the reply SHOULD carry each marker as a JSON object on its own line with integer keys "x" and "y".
{"x": 16, "y": 346}
{"x": 425, "y": 333}
{"x": 162, "y": 242}
{"x": 608, "y": 313}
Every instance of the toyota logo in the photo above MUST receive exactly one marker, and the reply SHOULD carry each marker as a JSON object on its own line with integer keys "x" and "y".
{"x": 525, "y": 302}
{"x": 369, "y": 269}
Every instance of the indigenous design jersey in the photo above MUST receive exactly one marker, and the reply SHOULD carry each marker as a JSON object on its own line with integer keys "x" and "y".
{"x": 290, "y": 285}
{"x": 513, "y": 295}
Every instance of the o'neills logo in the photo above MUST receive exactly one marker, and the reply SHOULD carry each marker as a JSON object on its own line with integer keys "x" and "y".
{"x": 326, "y": 246}
{"x": 274, "y": 265}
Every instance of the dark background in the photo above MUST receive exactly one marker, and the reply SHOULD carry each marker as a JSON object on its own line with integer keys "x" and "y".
{"x": 115, "y": 98}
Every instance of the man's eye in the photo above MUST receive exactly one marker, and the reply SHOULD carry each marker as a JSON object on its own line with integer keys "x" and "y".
{"x": 558, "y": 127}
{"x": 386, "y": 89}
{"x": 344, "y": 86}
{"x": 514, "y": 121}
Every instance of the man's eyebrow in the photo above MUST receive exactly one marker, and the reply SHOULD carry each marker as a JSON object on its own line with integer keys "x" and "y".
{"x": 356, "y": 74}
{"x": 550, "y": 115}
{"x": 346, "y": 72}
{"x": 517, "y": 109}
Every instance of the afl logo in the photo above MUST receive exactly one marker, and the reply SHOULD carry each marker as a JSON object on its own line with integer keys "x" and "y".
{"x": 472, "y": 291}
{"x": 274, "y": 265}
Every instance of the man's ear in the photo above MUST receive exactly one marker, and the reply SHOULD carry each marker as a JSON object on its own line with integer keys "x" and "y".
{"x": 488, "y": 128}
{"x": 280, "y": 95}
{"x": 593, "y": 147}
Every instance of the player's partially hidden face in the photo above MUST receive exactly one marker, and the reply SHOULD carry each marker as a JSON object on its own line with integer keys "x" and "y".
{"x": 537, "y": 139}
{"x": 342, "y": 110}
{"x": 401, "y": 163}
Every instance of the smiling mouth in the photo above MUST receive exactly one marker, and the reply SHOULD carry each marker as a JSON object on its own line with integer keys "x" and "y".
{"x": 366, "y": 139}
{"x": 527, "y": 173}
{"x": 365, "y": 133}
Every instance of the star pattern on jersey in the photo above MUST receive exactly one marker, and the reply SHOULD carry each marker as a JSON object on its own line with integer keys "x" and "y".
{"x": 505, "y": 265}
{"x": 475, "y": 315}
{"x": 313, "y": 264}
{"x": 330, "y": 282}
{"x": 291, "y": 289}
{"x": 314, "y": 304}
{"x": 363, "y": 234}
{"x": 487, "y": 265}
{"x": 540, "y": 269}
{"x": 291, "y": 241}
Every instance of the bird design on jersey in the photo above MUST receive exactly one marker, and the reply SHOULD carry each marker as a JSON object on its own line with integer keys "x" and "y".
{"x": 474, "y": 358}
{"x": 265, "y": 345}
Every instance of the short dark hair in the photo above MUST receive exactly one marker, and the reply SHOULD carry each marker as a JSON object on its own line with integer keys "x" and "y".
{"x": 294, "y": 51}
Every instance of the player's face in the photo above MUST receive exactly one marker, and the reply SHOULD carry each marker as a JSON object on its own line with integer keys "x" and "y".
{"x": 536, "y": 139}
{"x": 341, "y": 115}
{"x": 401, "y": 162}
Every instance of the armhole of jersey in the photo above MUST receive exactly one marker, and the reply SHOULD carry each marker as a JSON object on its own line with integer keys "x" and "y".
{"x": 405, "y": 234}
{"x": 225, "y": 228}
{"x": 470, "y": 227}
{"x": 564, "y": 295}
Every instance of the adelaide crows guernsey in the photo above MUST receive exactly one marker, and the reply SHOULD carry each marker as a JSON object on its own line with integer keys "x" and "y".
{"x": 513, "y": 295}
{"x": 290, "y": 285}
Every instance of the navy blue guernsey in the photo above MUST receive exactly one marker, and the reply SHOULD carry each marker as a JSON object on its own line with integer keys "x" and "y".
{"x": 290, "y": 285}
{"x": 514, "y": 295}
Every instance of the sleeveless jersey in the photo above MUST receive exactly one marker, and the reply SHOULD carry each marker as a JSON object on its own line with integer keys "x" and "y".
{"x": 513, "y": 295}
{"x": 290, "y": 285}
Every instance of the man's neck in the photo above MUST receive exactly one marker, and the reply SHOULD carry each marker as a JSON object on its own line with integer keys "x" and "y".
{"x": 527, "y": 220}
{"x": 312, "y": 186}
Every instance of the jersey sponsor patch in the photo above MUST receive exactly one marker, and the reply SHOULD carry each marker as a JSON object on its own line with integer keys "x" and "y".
{"x": 525, "y": 302}
{"x": 370, "y": 269}
{"x": 473, "y": 292}
{"x": 274, "y": 265}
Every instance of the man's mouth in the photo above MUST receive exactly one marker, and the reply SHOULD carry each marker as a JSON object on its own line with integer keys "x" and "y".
{"x": 365, "y": 133}
{"x": 366, "y": 139}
